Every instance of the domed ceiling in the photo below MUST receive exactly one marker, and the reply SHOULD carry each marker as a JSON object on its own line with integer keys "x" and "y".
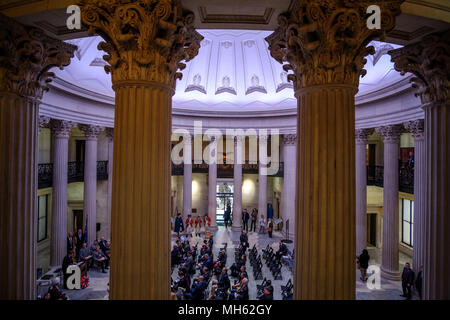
{"x": 233, "y": 71}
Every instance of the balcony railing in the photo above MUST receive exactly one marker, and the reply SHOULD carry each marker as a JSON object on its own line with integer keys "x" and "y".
{"x": 75, "y": 173}
{"x": 224, "y": 170}
{"x": 405, "y": 178}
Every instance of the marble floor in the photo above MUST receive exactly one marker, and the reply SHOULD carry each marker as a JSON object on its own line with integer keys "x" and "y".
{"x": 389, "y": 290}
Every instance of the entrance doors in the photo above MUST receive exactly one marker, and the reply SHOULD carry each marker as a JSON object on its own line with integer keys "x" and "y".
{"x": 224, "y": 198}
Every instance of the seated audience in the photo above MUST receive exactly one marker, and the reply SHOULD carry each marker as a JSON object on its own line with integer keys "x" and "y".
{"x": 86, "y": 256}
{"x": 100, "y": 258}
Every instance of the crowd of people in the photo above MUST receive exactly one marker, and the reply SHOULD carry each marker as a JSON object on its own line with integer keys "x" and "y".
{"x": 202, "y": 277}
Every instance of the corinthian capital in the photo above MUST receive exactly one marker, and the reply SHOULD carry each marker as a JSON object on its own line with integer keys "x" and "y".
{"x": 362, "y": 135}
{"x": 390, "y": 133}
{"x": 416, "y": 128}
{"x": 325, "y": 41}
{"x": 290, "y": 139}
{"x": 429, "y": 61}
{"x": 91, "y": 132}
{"x": 26, "y": 56}
{"x": 146, "y": 40}
{"x": 62, "y": 128}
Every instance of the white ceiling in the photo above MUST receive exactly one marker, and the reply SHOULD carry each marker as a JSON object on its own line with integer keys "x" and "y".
{"x": 233, "y": 71}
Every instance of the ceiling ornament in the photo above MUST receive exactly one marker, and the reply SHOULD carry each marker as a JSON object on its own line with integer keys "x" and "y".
{"x": 195, "y": 85}
{"x": 226, "y": 86}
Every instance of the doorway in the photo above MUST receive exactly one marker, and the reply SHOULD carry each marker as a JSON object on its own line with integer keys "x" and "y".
{"x": 77, "y": 220}
{"x": 224, "y": 197}
{"x": 372, "y": 229}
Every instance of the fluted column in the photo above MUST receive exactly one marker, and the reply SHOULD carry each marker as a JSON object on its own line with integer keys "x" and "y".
{"x": 110, "y": 136}
{"x": 26, "y": 54}
{"x": 146, "y": 43}
{"x": 187, "y": 176}
{"x": 325, "y": 45}
{"x": 361, "y": 136}
{"x": 212, "y": 184}
{"x": 90, "y": 179}
{"x": 429, "y": 61}
{"x": 389, "y": 260}
{"x": 262, "y": 176}
{"x": 289, "y": 178}
{"x": 237, "y": 183}
{"x": 61, "y": 132}
{"x": 416, "y": 128}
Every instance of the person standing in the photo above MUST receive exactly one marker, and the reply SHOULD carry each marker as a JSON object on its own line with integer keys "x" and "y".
{"x": 262, "y": 224}
{"x": 363, "y": 261}
{"x": 179, "y": 227}
{"x": 245, "y": 218}
{"x": 253, "y": 218}
{"x": 407, "y": 281}
{"x": 270, "y": 227}
{"x": 227, "y": 215}
{"x": 189, "y": 225}
{"x": 269, "y": 211}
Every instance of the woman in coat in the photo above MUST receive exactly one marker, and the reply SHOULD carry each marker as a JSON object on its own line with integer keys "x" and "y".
{"x": 363, "y": 261}
{"x": 179, "y": 226}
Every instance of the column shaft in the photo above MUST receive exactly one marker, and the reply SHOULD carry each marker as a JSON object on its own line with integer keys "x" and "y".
{"x": 437, "y": 246}
{"x": 289, "y": 179}
{"x": 90, "y": 188}
{"x": 58, "y": 249}
{"x": 18, "y": 214}
{"x": 212, "y": 184}
{"x": 140, "y": 225}
{"x": 262, "y": 177}
{"x": 237, "y": 181}
{"x": 187, "y": 177}
{"x": 390, "y": 251}
{"x": 110, "y": 177}
{"x": 325, "y": 225}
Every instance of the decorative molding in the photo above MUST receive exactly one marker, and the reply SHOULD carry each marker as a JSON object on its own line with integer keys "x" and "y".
{"x": 91, "y": 132}
{"x": 62, "y": 128}
{"x": 429, "y": 61}
{"x": 325, "y": 42}
{"x": 26, "y": 55}
{"x": 408, "y": 36}
{"x": 362, "y": 135}
{"x": 144, "y": 41}
{"x": 416, "y": 128}
{"x": 290, "y": 139}
{"x": 235, "y": 18}
{"x": 43, "y": 122}
{"x": 391, "y": 133}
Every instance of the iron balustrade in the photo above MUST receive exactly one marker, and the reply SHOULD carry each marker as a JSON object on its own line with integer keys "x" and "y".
{"x": 224, "y": 170}
{"x": 375, "y": 176}
{"x": 75, "y": 173}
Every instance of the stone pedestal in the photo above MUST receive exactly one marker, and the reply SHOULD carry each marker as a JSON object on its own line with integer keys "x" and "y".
{"x": 389, "y": 261}
{"x": 290, "y": 176}
{"x": 212, "y": 184}
{"x": 26, "y": 54}
{"x": 325, "y": 46}
{"x": 419, "y": 232}
{"x": 58, "y": 246}
{"x": 144, "y": 55}
{"x": 361, "y": 188}
{"x": 90, "y": 180}
{"x": 187, "y": 176}
{"x": 237, "y": 183}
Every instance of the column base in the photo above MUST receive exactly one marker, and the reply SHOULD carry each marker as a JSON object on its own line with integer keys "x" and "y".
{"x": 213, "y": 228}
{"x": 390, "y": 275}
{"x": 236, "y": 228}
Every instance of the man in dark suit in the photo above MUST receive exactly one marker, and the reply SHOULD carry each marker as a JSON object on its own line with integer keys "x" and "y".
{"x": 407, "y": 281}
{"x": 245, "y": 218}
{"x": 224, "y": 280}
{"x": 67, "y": 261}
{"x": 79, "y": 240}
{"x": 174, "y": 256}
{"x": 70, "y": 242}
{"x": 244, "y": 241}
{"x": 198, "y": 290}
{"x": 282, "y": 251}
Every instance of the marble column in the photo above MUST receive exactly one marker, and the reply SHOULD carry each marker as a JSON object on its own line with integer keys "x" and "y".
{"x": 361, "y": 136}
{"x": 262, "y": 176}
{"x": 416, "y": 128}
{"x": 325, "y": 46}
{"x": 237, "y": 183}
{"x": 187, "y": 176}
{"x": 90, "y": 180}
{"x": 61, "y": 132}
{"x": 212, "y": 184}
{"x": 144, "y": 55}
{"x": 26, "y": 54}
{"x": 429, "y": 61}
{"x": 289, "y": 179}
{"x": 110, "y": 136}
{"x": 390, "y": 252}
